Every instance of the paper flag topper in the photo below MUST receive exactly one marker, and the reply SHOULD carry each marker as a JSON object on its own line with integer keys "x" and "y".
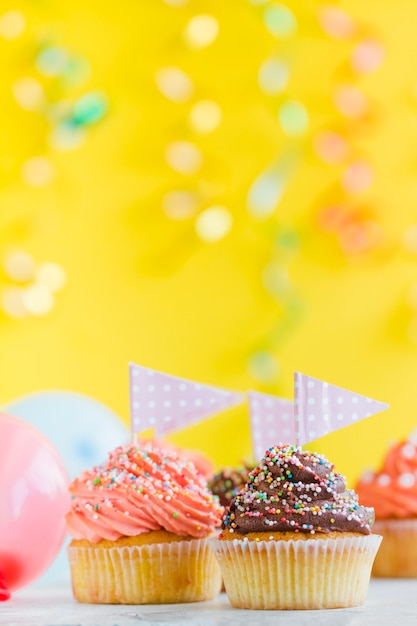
{"x": 166, "y": 403}
{"x": 319, "y": 408}
{"x": 272, "y": 421}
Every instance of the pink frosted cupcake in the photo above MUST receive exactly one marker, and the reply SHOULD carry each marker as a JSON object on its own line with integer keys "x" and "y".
{"x": 140, "y": 525}
{"x": 392, "y": 492}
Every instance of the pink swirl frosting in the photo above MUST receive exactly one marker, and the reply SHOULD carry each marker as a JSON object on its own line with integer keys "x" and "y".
{"x": 139, "y": 490}
{"x": 392, "y": 491}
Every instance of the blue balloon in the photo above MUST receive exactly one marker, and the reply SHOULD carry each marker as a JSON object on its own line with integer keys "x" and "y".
{"x": 82, "y": 430}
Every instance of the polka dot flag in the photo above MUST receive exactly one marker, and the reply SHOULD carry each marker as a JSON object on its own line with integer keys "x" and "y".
{"x": 166, "y": 403}
{"x": 272, "y": 421}
{"x": 319, "y": 408}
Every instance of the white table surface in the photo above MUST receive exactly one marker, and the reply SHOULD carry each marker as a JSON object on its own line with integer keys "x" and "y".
{"x": 389, "y": 603}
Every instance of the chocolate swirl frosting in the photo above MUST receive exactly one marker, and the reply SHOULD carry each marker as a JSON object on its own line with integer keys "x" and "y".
{"x": 293, "y": 490}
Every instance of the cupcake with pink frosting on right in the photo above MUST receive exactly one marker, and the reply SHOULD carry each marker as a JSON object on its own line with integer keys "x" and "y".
{"x": 392, "y": 492}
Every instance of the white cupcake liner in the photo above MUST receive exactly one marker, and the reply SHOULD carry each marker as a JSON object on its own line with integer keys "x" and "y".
{"x": 183, "y": 571}
{"x": 397, "y": 557}
{"x": 297, "y": 574}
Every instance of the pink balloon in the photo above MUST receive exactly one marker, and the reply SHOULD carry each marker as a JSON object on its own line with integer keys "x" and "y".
{"x": 33, "y": 500}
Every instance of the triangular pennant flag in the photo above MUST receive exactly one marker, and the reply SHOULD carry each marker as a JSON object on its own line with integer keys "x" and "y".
{"x": 321, "y": 408}
{"x": 166, "y": 403}
{"x": 272, "y": 421}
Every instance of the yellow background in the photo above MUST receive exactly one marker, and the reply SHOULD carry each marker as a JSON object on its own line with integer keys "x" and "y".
{"x": 145, "y": 288}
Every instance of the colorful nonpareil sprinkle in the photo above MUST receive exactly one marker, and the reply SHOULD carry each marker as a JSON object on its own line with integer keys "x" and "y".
{"x": 139, "y": 490}
{"x": 299, "y": 491}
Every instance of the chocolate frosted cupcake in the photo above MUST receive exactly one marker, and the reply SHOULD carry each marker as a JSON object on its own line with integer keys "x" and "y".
{"x": 295, "y": 520}
{"x": 227, "y": 482}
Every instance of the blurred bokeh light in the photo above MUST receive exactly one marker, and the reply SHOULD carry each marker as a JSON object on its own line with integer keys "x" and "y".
{"x": 224, "y": 192}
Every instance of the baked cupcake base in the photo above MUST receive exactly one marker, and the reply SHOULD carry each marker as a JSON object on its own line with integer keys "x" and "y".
{"x": 295, "y": 570}
{"x": 397, "y": 557}
{"x": 153, "y": 568}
